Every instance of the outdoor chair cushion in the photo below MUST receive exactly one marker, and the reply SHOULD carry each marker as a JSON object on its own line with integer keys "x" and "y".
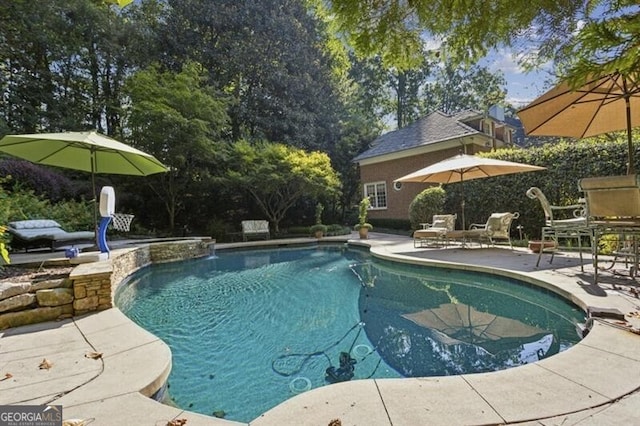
{"x": 43, "y": 232}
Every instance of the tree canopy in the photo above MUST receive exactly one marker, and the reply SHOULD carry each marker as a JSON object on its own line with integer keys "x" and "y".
{"x": 179, "y": 119}
{"x": 579, "y": 37}
{"x": 277, "y": 176}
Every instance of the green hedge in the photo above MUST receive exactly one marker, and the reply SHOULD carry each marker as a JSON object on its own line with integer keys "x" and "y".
{"x": 566, "y": 163}
{"x": 398, "y": 224}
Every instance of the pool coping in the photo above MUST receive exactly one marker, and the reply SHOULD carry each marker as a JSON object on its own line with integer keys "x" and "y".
{"x": 600, "y": 376}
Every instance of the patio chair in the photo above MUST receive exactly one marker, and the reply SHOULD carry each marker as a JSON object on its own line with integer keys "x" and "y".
{"x": 557, "y": 226}
{"x": 255, "y": 229}
{"x": 613, "y": 208}
{"x": 497, "y": 227}
{"x": 435, "y": 232}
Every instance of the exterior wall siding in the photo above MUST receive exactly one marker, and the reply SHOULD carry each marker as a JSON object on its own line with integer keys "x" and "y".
{"x": 398, "y": 201}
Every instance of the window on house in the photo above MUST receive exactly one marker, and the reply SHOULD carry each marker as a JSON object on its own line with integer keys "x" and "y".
{"x": 488, "y": 128}
{"x": 377, "y": 193}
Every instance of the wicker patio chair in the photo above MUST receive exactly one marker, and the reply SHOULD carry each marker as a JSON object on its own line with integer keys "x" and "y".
{"x": 436, "y": 231}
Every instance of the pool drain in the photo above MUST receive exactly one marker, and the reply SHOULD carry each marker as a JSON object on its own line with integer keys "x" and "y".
{"x": 360, "y": 351}
{"x": 300, "y": 384}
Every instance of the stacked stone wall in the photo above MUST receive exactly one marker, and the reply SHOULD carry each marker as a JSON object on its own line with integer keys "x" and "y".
{"x": 90, "y": 286}
{"x": 33, "y": 302}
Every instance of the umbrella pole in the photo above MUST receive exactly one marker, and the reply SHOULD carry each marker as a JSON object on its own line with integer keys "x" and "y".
{"x": 95, "y": 199}
{"x": 631, "y": 169}
{"x": 464, "y": 226}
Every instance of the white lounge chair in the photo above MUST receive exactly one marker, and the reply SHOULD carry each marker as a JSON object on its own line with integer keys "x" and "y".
{"x": 497, "y": 227}
{"x": 436, "y": 231}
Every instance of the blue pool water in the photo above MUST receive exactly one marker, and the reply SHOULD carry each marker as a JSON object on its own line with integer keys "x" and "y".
{"x": 250, "y": 329}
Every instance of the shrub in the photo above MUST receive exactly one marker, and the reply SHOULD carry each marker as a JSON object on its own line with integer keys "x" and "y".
{"x": 337, "y": 229}
{"x": 318, "y": 227}
{"x": 4, "y": 253}
{"x": 426, "y": 204}
{"x": 50, "y": 184}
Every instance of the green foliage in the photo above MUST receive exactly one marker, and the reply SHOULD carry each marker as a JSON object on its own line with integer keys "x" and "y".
{"x": 426, "y": 204}
{"x": 455, "y": 89}
{"x": 318, "y": 227}
{"x": 271, "y": 58}
{"x": 276, "y": 176}
{"x": 72, "y": 215}
{"x": 363, "y": 208}
{"x": 22, "y": 204}
{"x": 566, "y": 163}
{"x": 579, "y": 38}
{"x": 4, "y": 253}
{"x": 336, "y": 229}
{"x": 393, "y": 225}
{"x": 178, "y": 119}
{"x": 319, "y": 210}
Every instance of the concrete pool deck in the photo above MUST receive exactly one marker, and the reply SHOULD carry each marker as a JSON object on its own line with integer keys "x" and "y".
{"x": 596, "y": 382}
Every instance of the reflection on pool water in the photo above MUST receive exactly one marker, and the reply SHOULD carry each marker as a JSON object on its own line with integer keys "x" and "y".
{"x": 250, "y": 329}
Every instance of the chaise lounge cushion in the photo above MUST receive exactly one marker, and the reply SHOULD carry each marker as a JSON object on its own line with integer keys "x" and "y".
{"x": 43, "y": 232}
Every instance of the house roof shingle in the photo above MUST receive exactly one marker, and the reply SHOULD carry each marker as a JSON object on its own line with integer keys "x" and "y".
{"x": 435, "y": 127}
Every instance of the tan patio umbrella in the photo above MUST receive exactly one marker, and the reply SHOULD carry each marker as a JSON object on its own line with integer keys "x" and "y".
{"x": 463, "y": 167}
{"x": 463, "y": 323}
{"x": 605, "y": 103}
{"x": 86, "y": 151}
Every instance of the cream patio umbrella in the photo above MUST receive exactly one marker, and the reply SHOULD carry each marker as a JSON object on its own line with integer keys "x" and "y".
{"x": 463, "y": 323}
{"x": 463, "y": 167}
{"x": 603, "y": 104}
{"x": 85, "y": 151}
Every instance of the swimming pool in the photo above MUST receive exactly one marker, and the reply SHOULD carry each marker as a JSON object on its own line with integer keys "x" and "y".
{"x": 250, "y": 329}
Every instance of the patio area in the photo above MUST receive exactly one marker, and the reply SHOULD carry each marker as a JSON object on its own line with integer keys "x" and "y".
{"x": 594, "y": 383}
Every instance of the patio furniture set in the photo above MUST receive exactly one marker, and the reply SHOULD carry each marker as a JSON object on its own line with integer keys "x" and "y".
{"x": 609, "y": 212}
{"x": 442, "y": 231}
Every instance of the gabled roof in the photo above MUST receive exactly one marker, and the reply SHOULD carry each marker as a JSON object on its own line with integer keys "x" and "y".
{"x": 435, "y": 127}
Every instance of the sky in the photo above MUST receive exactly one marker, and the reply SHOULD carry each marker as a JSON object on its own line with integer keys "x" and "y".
{"x": 522, "y": 87}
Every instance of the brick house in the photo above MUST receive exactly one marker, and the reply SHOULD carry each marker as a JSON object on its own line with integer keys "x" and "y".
{"x": 433, "y": 138}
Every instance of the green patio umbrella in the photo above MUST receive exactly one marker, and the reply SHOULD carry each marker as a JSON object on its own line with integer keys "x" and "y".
{"x": 86, "y": 151}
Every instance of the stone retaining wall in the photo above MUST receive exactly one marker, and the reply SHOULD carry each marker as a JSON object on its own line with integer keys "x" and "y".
{"x": 90, "y": 286}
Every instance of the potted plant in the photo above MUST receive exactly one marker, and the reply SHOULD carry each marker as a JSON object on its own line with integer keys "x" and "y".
{"x": 362, "y": 226}
{"x": 318, "y": 230}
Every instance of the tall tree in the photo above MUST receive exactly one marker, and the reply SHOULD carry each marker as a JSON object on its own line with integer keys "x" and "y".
{"x": 457, "y": 89}
{"x": 268, "y": 56}
{"x": 62, "y": 64}
{"x": 179, "y": 119}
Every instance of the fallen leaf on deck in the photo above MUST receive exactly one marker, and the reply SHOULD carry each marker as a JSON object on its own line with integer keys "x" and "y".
{"x": 93, "y": 355}
{"x": 177, "y": 422}
{"x": 7, "y": 376}
{"x": 45, "y": 364}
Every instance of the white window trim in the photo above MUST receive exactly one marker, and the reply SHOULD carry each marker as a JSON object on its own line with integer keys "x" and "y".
{"x": 375, "y": 185}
